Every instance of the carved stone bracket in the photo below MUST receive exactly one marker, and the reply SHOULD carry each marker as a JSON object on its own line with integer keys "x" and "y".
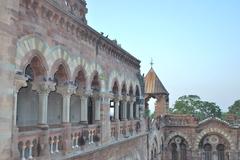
{"x": 44, "y": 87}
{"x": 66, "y": 90}
{"x": 20, "y": 81}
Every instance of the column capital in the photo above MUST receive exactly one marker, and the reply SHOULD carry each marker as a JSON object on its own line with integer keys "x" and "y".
{"x": 117, "y": 98}
{"x": 44, "y": 87}
{"x": 132, "y": 99}
{"x": 66, "y": 90}
{"x": 20, "y": 81}
{"x": 125, "y": 98}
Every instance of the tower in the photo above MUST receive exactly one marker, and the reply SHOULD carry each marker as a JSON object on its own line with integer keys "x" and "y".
{"x": 155, "y": 89}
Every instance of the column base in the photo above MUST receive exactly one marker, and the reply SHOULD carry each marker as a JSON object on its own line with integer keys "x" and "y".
{"x": 66, "y": 124}
{"x": 43, "y": 126}
{"x": 116, "y": 120}
{"x": 83, "y": 122}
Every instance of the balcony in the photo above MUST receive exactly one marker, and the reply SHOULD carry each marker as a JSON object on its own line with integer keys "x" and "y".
{"x": 58, "y": 141}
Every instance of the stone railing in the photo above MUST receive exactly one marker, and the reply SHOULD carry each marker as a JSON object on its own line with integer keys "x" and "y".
{"x": 28, "y": 145}
{"x": 56, "y": 140}
{"x": 76, "y": 137}
{"x": 85, "y": 137}
{"x": 114, "y": 130}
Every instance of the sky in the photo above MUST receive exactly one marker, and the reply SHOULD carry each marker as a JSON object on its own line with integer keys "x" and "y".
{"x": 194, "y": 44}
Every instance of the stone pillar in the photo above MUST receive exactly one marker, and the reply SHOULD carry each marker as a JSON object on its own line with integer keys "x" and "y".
{"x": 66, "y": 91}
{"x": 105, "y": 118}
{"x": 97, "y": 107}
{"x": 84, "y": 109}
{"x": 124, "y": 109}
{"x": 137, "y": 111}
{"x": 20, "y": 81}
{"x": 131, "y": 108}
{"x": 44, "y": 144}
{"x": 43, "y": 89}
{"x": 66, "y": 108}
{"x": 116, "y": 110}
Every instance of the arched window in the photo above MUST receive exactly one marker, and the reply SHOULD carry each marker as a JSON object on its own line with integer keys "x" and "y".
{"x": 55, "y": 99}
{"x": 183, "y": 151}
{"x": 220, "y": 151}
{"x": 207, "y": 151}
{"x": 174, "y": 151}
{"x": 178, "y": 146}
{"x": 27, "y": 98}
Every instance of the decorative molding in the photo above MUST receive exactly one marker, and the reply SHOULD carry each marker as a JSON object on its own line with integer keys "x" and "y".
{"x": 54, "y": 13}
{"x": 214, "y": 131}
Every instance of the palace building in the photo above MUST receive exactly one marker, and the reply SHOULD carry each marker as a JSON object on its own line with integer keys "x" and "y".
{"x": 70, "y": 93}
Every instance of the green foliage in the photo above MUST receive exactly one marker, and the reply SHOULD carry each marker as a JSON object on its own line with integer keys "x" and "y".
{"x": 152, "y": 115}
{"x": 193, "y": 105}
{"x": 147, "y": 113}
{"x": 235, "y": 108}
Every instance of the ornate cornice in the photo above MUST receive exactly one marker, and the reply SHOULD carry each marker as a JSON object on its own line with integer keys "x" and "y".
{"x": 54, "y": 12}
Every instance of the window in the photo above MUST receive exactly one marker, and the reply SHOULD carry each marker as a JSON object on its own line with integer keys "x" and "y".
{"x": 207, "y": 152}
{"x": 220, "y": 151}
{"x": 174, "y": 152}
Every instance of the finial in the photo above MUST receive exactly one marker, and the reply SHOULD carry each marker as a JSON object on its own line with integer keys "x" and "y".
{"x": 151, "y": 62}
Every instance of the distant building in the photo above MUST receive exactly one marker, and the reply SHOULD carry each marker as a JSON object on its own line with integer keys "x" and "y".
{"x": 183, "y": 137}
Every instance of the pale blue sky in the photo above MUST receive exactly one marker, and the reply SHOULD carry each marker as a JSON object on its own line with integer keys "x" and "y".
{"x": 195, "y": 44}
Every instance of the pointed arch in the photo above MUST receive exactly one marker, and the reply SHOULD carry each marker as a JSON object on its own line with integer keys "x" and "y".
{"x": 28, "y": 47}
{"x": 115, "y": 87}
{"x": 124, "y": 88}
{"x": 174, "y": 134}
{"x": 214, "y": 131}
{"x": 60, "y": 67}
{"x": 60, "y": 54}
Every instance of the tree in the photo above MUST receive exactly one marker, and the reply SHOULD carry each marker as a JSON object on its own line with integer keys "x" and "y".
{"x": 235, "y": 108}
{"x": 193, "y": 105}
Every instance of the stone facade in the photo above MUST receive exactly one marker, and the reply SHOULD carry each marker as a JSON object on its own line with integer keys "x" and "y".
{"x": 177, "y": 137}
{"x": 68, "y": 92}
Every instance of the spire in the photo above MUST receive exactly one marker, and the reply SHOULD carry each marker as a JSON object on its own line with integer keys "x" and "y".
{"x": 153, "y": 85}
{"x": 151, "y": 63}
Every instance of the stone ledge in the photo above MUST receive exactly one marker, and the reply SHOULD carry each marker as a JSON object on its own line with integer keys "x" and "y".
{"x": 80, "y": 154}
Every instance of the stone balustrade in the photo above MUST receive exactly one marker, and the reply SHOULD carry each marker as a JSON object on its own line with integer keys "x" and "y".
{"x": 82, "y": 137}
{"x": 28, "y": 145}
{"x": 56, "y": 141}
{"x": 75, "y": 137}
{"x": 114, "y": 130}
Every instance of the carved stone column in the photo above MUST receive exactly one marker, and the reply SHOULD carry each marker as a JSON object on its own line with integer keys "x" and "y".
{"x": 137, "y": 111}
{"x": 20, "y": 81}
{"x": 116, "y": 115}
{"x": 66, "y": 91}
{"x": 132, "y": 99}
{"x": 124, "y": 108}
{"x": 105, "y": 118}
{"x": 97, "y": 107}
{"x": 116, "y": 109}
{"x": 43, "y": 89}
{"x": 84, "y": 109}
